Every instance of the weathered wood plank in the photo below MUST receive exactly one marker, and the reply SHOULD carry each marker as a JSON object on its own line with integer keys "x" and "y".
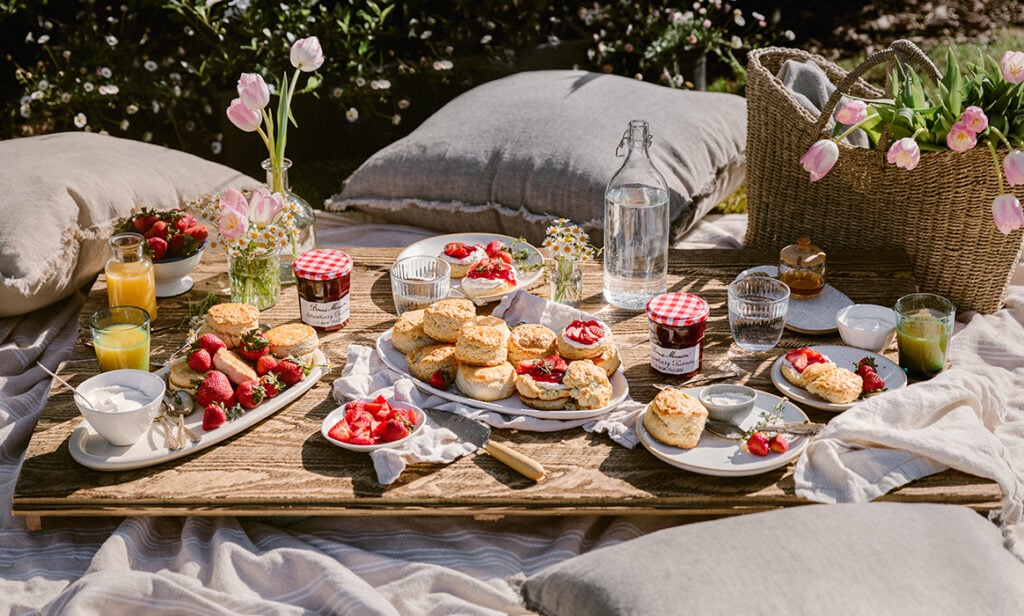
{"x": 282, "y": 466}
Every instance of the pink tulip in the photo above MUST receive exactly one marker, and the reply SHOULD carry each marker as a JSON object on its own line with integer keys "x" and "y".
{"x": 904, "y": 153}
{"x": 233, "y": 200}
{"x": 961, "y": 138}
{"x": 1013, "y": 168}
{"x": 820, "y": 158}
{"x": 974, "y": 119}
{"x": 233, "y": 224}
{"x": 243, "y": 117}
{"x": 1012, "y": 65}
{"x": 852, "y": 112}
{"x": 264, "y": 207}
{"x": 306, "y": 55}
{"x": 253, "y": 91}
{"x": 1007, "y": 213}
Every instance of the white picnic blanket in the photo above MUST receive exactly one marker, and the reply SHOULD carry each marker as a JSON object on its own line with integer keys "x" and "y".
{"x": 970, "y": 418}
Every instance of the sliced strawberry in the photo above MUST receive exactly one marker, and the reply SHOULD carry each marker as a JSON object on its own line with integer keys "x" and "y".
{"x": 457, "y": 250}
{"x": 758, "y": 445}
{"x": 584, "y": 332}
{"x": 340, "y": 432}
{"x": 551, "y": 369}
{"x": 359, "y": 419}
{"x": 798, "y": 361}
{"x": 778, "y": 444}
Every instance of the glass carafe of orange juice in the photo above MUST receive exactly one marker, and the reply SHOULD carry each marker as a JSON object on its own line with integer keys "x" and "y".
{"x": 130, "y": 280}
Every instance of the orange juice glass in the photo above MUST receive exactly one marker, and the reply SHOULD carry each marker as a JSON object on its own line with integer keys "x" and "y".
{"x": 120, "y": 335}
{"x": 130, "y": 277}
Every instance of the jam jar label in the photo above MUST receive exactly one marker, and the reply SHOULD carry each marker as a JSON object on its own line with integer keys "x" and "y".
{"x": 324, "y": 314}
{"x": 675, "y": 361}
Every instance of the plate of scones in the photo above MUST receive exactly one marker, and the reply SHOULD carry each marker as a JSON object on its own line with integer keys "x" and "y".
{"x": 672, "y": 429}
{"x": 829, "y": 377}
{"x": 485, "y": 266}
{"x": 567, "y": 372}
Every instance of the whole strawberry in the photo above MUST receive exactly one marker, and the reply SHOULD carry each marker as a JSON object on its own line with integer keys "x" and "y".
{"x": 200, "y": 360}
{"x": 288, "y": 372}
{"x": 778, "y": 444}
{"x": 438, "y": 380}
{"x": 250, "y": 394}
{"x": 214, "y": 416}
{"x": 254, "y": 345}
{"x": 865, "y": 365}
{"x": 158, "y": 247}
{"x": 215, "y": 388}
{"x": 211, "y": 342}
{"x": 394, "y": 430}
{"x": 265, "y": 364}
{"x": 271, "y": 385}
{"x": 873, "y": 383}
{"x": 758, "y": 445}
{"x": 159, "y": 229}
{"x": 144, "y": 222}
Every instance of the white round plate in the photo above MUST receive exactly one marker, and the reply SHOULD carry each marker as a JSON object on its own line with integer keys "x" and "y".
{"x": 845, "y": 357}
{"x": 434, "y": 246}
{"x": 722, "y": 457}
{"x": 512, "y": 405}
{"x": 813, "y": 316}
{"x": 339, "y": 413}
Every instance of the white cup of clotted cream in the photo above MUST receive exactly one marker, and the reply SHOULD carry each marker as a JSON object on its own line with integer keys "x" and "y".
{"x": 867, "y": 326}
{"x": 124, "y": 404}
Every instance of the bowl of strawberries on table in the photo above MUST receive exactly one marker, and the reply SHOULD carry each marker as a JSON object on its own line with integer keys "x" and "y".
{"x": 175, "y": 242}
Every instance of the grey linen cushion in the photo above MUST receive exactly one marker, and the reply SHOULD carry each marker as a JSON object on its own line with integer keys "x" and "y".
{"x": 878, "y": 558}
{"x": 64, "y": 192}
{"x": 513, "y": 154}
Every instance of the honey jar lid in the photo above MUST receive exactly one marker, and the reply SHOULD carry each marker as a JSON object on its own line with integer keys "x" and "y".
{"x": 322, "y": 264}
{"x": 677, "y": 309}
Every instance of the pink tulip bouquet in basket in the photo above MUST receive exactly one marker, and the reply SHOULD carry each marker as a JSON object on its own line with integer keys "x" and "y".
{"x": 979, "y": 105}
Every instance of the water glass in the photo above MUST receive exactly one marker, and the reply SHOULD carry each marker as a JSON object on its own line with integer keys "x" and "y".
{"x": 120, "y": 336}
{"x": 924, "y": 322}
{"x": 757, "y": 312}
{"x": 417, "y": 282}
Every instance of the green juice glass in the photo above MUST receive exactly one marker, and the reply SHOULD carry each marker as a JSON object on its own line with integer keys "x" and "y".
{"x": 924, "y": 322}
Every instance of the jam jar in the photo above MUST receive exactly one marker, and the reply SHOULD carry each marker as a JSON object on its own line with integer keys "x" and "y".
{"x": 322, "y": 279}
{"x": 677, "y": 322}
{"x": 802, "y": 268}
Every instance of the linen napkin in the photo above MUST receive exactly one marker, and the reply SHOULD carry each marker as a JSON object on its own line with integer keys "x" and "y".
{"x": 970, "y": 417}
{"x": 366, "y": 375}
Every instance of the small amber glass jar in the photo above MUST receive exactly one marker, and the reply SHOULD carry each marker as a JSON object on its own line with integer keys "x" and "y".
{"x": 677, "y": 323}
{"x": 322, "y": 278}
{"x": 802, "y": 268}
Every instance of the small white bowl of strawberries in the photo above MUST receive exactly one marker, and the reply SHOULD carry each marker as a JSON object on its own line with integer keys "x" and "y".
{"x": 367, "y": 424}
{"x": 175, "y": 242}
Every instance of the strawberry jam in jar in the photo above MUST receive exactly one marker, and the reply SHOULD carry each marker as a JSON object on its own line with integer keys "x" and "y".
{"x": 322, "y": 279}
{"x": 677, "y": 322}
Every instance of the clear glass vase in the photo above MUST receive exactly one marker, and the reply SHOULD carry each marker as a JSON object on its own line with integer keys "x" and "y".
{"x": 255, "y": 279}
{"x": 566, "y": 280}
{"x": 305, "y": 221}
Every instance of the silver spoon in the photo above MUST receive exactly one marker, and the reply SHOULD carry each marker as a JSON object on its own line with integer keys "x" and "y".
{"x": 69, "y": 386}
{"x": 180, "y": 405}
{"x": 735, "y": 433}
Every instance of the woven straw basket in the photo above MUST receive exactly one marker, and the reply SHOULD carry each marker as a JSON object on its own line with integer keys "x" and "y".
{"x": 940, "y": 213}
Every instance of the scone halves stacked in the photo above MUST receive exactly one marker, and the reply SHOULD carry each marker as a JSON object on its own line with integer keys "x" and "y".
{"x": 589, "y": 340}
{"x": 481, "y": 350}
{"x": 826, "y": 380}
{"x": 230, "y": 320}
{"x": 675, "y": 418}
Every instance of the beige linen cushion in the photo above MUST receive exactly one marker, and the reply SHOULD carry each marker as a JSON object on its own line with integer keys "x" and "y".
{"x": 512, "y": 155}
{"x": 62, "y": 194}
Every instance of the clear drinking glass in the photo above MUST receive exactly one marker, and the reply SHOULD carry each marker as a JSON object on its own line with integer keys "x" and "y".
{"x": 417, "y": 282}
{"x": 924, "y": 323}
{"x": 757, "y": 312}
{"x": 120, "y": 336}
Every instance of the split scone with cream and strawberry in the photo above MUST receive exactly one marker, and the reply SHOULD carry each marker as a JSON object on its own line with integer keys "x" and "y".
{"x": 461, "y": 256}
{"x": 539, "y": 383}
{"x": 589, "y": 340}
{"x": 819, "y": 375}
{"x": 490, "y": 276}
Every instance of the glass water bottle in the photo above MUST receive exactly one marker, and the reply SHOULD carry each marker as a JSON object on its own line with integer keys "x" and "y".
{"x": 130, "y": 279}
{"x": 636, "y": 221}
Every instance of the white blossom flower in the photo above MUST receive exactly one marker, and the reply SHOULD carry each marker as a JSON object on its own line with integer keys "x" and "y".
{"x": 37, "y": 95}
{"x": 88, "y": 87}
{"x": 105, "y": 72}
{"x": 25, "y": 111}
{"x": 147, "y": 136}
{"x": 360, "y": 82}
{"x": 789, "y": 34}
{"x": 80, "y": 120}
{"x": 337, "y": 92}
{"x": 65, "y": 97}
{"x": 216, "y": 147}
{"x": 113, "y": 89}
{"x": 736, "y": 42}
{"x": 124, "y": 124}
{"x": 443, "y": 65}
{"x": 403, "y": 103}
{"x": 425, "y": 35}
{"x": 102, "y": 90}
{"x": 396, "y": 119}
{"x": 156, "y": 106}
{"x": 131, "y": 109}
{"x": 150, "y": 65}
{"x": 757, "y": 16}
{"x": 380, "y": 84}
{"x": 352, "y": 114}
{"x": 485, "y": 39}
{"x": 111, "y": 40}
{"x": 44, "y": 39}
{"x": 44, "y": 84}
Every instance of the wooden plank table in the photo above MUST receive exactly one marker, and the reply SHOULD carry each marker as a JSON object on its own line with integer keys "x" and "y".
{"x": 283, "y": 466}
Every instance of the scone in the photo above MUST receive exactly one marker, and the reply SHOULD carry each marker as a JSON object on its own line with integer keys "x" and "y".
{"x": 838, "y": 386}
{"x": 584, "y": 340}
{"x": 230, "y": 363}
{"x": 461, "y": 256}
{"x": 675, "y": 418}
{"x": 486, "y": 383}
{"x": 530, "y": 341}
{"x": 292, "y": 340}
{"x": 230, "y": 320}
{"x": 442, "y": 320}
{"x": 483, "y": 341}
{"x": 608, "y": 361}
{"x": 539, "y": 383}
{"x": 408, "y": 334}
{"x": 182, "y": 376}
{"x": 811, "y": 372}
{"x": 424, "y": 362}
{"x": 588, "y": 384}
{"x": 491, "y": 276}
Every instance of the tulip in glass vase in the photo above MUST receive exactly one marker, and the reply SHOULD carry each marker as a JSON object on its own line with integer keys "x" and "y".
{"x": 249, "y": 112}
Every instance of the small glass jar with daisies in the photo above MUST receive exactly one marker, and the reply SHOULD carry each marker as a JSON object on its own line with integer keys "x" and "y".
{"x": 567, "y": 245}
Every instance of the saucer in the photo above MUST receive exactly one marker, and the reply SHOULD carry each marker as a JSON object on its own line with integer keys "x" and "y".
{"x": 816, "y": 315}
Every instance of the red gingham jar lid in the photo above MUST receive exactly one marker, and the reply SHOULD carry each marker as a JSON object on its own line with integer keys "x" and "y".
{"x": 322, "y": 264}
{"x": 677, "y": 309}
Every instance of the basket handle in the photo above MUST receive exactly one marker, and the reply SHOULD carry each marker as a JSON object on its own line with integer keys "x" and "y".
{"x": 902, "y": 48}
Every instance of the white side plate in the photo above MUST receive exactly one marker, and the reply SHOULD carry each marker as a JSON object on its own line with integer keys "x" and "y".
{"x": 90, "y": 449}
{"x": 813, "y": 316}
{"x": 722, "y": 457}
{"x": 845, "y": 357}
